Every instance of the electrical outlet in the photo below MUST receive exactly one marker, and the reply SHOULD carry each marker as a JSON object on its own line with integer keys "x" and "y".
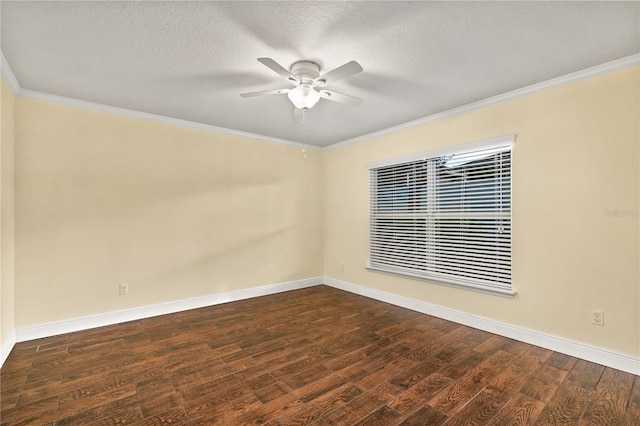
{"x": 123, "y": 289}
{"x": 342, "y": 266}
{"x": 597, "y": 317}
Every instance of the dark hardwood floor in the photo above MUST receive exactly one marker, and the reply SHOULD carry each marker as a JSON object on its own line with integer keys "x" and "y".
{"x": 316, "y": 356}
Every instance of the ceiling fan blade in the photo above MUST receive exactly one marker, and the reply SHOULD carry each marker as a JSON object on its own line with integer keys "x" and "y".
{"x": 340, "y": 97}
{"x": 265, "y": 92}
{"x": 344, "y": 71}
{"x": 278, "y": 69}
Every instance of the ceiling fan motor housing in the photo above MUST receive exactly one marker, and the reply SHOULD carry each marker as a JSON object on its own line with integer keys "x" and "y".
{"x": 306, "y": 71}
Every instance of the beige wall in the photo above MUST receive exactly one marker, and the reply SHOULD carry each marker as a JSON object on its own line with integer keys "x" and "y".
{"x": 176, "y": 213}
{"x": 575, "y": 159}
{"x": 7, "y": 245}
{"x": 172, "y": 212}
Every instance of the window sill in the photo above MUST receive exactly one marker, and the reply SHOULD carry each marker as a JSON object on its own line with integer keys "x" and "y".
{"x": 446, "y": 282}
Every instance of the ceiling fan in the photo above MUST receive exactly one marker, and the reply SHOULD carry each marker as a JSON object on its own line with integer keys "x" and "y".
{"x": 308, "y": 84}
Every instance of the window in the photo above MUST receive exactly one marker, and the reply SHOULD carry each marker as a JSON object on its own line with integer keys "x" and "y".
{"x": 445, "y": 216}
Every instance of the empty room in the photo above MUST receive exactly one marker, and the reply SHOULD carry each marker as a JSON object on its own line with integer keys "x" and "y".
{"x": 320, "y": 212}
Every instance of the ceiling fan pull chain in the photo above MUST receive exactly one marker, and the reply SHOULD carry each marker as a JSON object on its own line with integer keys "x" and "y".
{"x": 304, "y": 131}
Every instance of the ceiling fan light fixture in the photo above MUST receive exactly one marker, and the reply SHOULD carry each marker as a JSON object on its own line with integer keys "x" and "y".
{"x": 303, "y": 96}
{"x": 308, "y": 83}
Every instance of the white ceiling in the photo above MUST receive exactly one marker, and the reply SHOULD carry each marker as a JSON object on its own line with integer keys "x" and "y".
{"x": 191, "y": 60}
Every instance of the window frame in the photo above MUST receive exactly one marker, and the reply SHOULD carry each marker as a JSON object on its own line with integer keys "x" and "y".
{"x": 505, "y": 141}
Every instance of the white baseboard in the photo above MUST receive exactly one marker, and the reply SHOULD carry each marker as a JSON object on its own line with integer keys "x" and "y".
{"x": 109, "y": 318}
{"x": 6, "y": 347}
{"x": 591, "y": 353}
{"x": 606, "y": 357}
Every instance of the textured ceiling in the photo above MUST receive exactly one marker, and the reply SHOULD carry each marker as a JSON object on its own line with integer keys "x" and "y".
{"x": 191, "y": 60}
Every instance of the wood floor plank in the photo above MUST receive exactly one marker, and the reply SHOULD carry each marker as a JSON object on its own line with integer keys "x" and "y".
{"x": 160, "y": 400}
{"x": 320, "y": 387}
{"x": 29, "y": 413}
{"x": 464, "y": 361}
{"x": 562, "y": 361}
{"x": 479, "y": 411}
{"x": 565, "y": 407}
{"x": 174, "y": 415}
{"x": 147, "y": 398}
{"x": 265, "y": 412}
{"x": 632, "y": 416}
{"x": 349, "y": 358}
{"x": 385, "y": 373}
{"x": 512, "y": 378}
{"x": 225, "y": 411}
{"x": 543, "y": 383}
{"x": 307, "y": 376}
{"x": 585, "y": 374}
{"x": 221, "y": 391}
{"x": 382, "y": 416}
{"x": 295, "y": 368}
{"x": 129, "y": 415}
{"x": 427, "y": 415}
{"x": 521, "y": 410}
{"x": 410, "y": 376}
{"x": 315, "y": 356}
{"x": 495, "y": 343}
{"x": 609, "y": 403}
{"x": 315, "y": 408}
{"x": 383, "y": 356}
{"x": 356, "y": 409}
{"x": 417, "y": 396}
{"x": 273, "y": 391}
{"x": 471, "y": 383}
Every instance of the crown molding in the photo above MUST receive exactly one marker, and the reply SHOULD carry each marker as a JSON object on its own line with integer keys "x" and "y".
{"x": 606, "y": 68}
{"x": 19, "y": 92}
{"x": 8, "y": 76}
{"x": 155, "y": 118}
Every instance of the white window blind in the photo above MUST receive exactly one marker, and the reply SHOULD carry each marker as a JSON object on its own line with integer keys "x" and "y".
{"x": 445, "y": 216}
